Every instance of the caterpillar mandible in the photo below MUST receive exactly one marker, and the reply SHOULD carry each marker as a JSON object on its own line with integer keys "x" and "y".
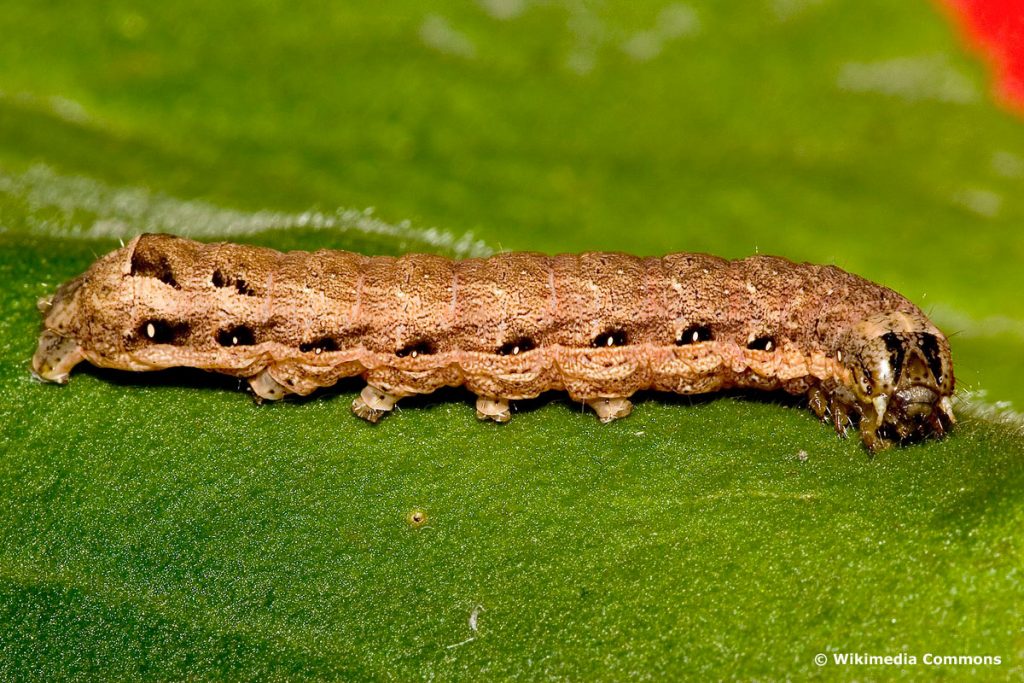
{"x": 599, "y": 326}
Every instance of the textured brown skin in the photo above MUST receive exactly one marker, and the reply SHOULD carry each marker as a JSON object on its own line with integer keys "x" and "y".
{"x": 412, "y": 324}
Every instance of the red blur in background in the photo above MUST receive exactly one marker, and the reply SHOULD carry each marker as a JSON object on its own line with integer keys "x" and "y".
{"x": 995, "y": 28}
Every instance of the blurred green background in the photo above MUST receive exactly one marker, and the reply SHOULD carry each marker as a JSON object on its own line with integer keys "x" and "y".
{"x": 162, "y": 526}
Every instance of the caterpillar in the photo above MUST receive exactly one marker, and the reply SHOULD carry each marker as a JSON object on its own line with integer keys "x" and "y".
{"x": 600, "y": 326}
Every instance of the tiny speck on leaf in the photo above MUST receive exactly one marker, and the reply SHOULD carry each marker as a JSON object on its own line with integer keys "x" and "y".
{"x": 416, "y": 518}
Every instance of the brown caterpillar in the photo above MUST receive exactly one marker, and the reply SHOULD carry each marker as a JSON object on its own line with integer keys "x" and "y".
{"x": 600, "y": 326}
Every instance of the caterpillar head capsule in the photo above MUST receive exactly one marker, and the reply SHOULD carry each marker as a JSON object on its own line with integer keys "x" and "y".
{"x": 902, "y": 380}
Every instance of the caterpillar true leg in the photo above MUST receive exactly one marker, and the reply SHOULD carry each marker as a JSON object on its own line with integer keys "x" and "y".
{"x": 840, "y": 416}
{"x": 372, "y": 403}
{"x": 611, "y": 409}
{"x": 493, "y": 409}
{"x": 934, "y": 422}
{"x": 817, "y": 401}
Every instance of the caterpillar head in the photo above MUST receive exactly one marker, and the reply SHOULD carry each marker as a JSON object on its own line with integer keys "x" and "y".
{"x": 902, "y": 378}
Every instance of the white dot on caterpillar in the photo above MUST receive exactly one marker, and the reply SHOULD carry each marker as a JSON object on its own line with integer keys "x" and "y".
{"x": 414, "y": 354}
{"x": 150, "y": 330}
{"x": 318, "y": 350}
{"x": 769, "y": 345}
{"x": 515, "y": 350}
{"x": 234, "y": 341}
{"x": 839, "y": 356}
{"x": 611, "y": 341}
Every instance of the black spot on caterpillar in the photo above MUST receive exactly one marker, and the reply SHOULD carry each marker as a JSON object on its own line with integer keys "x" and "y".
{"x": 610, "y": 338}
{"x": 599, "y": 326}
{"x": 237, "y": 335}
{"x": 694, "y": 334}
{"x": 321, "y": 345}
{"x": 765, "y": 343}
{"x": 241, "y": 286}
{"x": 153, "y": 265}
{"x": 160, "y": 331}
{"x": 422, "y": 347}
{"x": 514, "y": 348}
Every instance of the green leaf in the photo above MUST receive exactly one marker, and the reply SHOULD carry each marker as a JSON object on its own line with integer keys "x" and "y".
{"x": 163, "y": 526}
